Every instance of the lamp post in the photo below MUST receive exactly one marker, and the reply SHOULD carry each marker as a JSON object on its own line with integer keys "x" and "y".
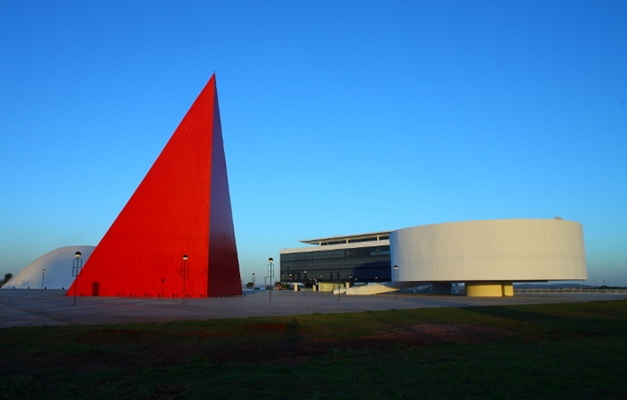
{"x": 43, "y": 278}
{"x": 395, "y": 280}
{"x": 184, "y": 273}
{"x": 77, "y": 264}
{"x": 270, "y": 277}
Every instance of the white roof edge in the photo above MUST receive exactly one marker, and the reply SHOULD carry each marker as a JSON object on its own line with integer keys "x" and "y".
{"x": 384, "y": 242}
{"x": 355, "y": 236}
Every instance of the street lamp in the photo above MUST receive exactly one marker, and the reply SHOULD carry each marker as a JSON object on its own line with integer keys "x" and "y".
{"x": 270, "y": 277}
{"x": 184, "y": 273}
{"x": 305, "y": 282}
{"x": 395, "y": 280}
{"x": 43, "y": 278}
{"x": 77, "y": 264}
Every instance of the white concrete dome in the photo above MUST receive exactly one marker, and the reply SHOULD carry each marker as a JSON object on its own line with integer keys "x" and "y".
{"x": 58, "y": 270}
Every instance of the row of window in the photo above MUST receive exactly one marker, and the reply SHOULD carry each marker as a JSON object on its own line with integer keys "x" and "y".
{"x": 366, "y": 264}
{"x": 381, "y": 273}
{"x": 339, "y": 253}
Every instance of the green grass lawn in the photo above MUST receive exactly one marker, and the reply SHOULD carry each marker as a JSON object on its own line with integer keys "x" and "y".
{"x": 518, "y": 352}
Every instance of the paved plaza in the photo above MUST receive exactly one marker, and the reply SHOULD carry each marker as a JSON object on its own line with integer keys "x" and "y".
{"x": 24, "y": 307}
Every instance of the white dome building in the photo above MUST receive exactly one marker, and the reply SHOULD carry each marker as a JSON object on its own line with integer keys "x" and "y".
{"x": 53, "y": 270}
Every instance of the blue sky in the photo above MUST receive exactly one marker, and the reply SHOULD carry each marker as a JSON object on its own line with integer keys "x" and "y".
{"x": 339, "y": 117}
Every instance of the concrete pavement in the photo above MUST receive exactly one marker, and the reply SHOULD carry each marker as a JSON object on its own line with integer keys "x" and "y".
{"x": 24, "y": 307}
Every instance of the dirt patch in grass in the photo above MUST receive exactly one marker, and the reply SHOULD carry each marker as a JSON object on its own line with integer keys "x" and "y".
{"x": 129, "y": 350}
{"x": 433, "y": 334}
{"x": 413, "y": 336}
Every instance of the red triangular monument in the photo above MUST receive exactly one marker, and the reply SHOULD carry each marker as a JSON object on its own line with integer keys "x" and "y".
{"x": 182, "y": 207}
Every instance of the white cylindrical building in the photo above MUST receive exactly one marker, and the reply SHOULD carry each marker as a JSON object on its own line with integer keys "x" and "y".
{"x": 489, "y": 255}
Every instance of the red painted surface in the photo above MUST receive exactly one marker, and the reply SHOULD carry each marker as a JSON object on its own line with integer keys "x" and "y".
{"x": 181, "y": 207}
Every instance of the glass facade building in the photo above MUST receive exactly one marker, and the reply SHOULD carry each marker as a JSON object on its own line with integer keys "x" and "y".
{"x": 356, "y": 259}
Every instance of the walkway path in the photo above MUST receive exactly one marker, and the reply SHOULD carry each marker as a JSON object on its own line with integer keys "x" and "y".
{"x": 22, "y": 307}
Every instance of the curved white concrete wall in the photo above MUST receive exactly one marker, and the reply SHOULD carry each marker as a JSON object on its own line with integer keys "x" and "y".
{"x": 58, "y": 265}
{"x": 511, "y": 250}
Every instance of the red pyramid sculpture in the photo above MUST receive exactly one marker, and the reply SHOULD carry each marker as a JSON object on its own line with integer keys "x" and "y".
{"x": 182, "y": 207}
